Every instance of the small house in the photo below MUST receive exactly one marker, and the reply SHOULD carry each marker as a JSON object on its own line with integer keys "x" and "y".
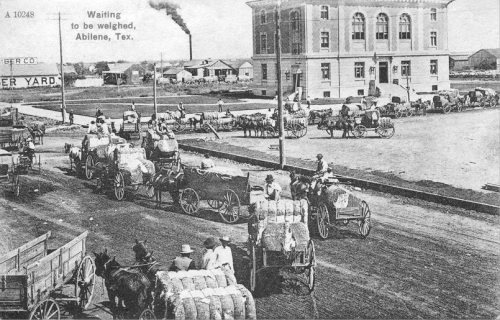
{"x": 124, "y": 73}
{"x": 177, "y": 74}
{"x": 485, "y": 59}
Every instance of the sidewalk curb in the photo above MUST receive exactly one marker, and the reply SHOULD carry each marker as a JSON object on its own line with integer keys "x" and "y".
{"x": 407, "y": 192}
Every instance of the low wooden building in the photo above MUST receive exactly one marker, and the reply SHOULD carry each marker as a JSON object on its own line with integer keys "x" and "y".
{"x": 124, "y": 73}
{"x": 485, "y": 59}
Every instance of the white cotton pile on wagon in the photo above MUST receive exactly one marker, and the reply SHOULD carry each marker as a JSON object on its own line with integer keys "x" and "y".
{"x": 94, "y": 140}
{"x": 202, "y": 294}
{"x": 167, "y": 145}
{"x": 282, "y": 224}
{"x": 210, "y": 115}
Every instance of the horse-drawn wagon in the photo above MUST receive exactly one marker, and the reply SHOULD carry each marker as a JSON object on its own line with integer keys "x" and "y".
{"x": 11, "y": 168}
{"x": 173, "y": 120}
{"x": 12, "y": 132}
{"x": 370, "y": 120}
{"x": 224, "y": 191}
{"x": 335, "y": 205}
{"x": 447, "y": 101}
{"x": 481, "y": 97}
{"x": 130, "y": 127}
{"x": 36, "y": 280}
{"x": 93, "y": 150}
{"x": 279, "y": 239}
{"x": 124, "y": 167}
{"x": 218, "y": 121}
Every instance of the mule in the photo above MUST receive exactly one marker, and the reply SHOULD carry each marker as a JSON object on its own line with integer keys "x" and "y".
{"x": 130, "y": 287}
{"x": 167, "y": 181}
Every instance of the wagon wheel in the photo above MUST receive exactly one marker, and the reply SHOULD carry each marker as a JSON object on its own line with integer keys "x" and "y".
{"x": 206, "y": 128}
{"x": 323, "y": 221}
{"x": 179, "y": 127}
{"x": 311, "y": 270}
{"x": 359, "y": 131}
{"x": 269, "y": 132}
{"x": 228, "y": 126}
{"x": 230, "y": 209}
{"x": 119, "y": 184}
{"x": 85, "y": 282}
{"x": 46, "y": 309}
{"x": 386, "y": 132}
{"x": 214, "y": 204}
{"x": 253, "y": 271}
{"x": 147, "y": 314}
{"x": 398, "y": 114}
{"x": 89, "y": 167}
{"x": 365, "y": 223}
{"x": 190, "y": 201}
{"x": 447, "y": 108}
{"x": 459, "y": 107}
{"x": 299, "y": 130}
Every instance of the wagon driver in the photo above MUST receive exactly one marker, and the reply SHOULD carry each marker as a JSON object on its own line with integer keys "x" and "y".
{"x": 272, "y": 190}
{"x": 184, "y": 262}
{"x": 181, "y": 109}
{"x": 321, "y": 171}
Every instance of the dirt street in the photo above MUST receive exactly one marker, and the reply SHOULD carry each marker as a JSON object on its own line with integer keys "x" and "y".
{"x": 420, "y": 260}
{"x": 460, "y": 149}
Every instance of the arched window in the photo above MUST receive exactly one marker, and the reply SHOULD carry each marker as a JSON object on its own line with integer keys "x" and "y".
{"x": 294, "y": 20}
{"x": 358, "y": 27}
{"x": 382, "y": 27}
{"x": 404, "y": 27}
{"x": 263, "y": 19}
{"x": 433, "y": 14}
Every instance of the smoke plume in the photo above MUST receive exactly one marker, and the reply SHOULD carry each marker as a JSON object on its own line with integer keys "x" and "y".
{"x": 171, "y": 10}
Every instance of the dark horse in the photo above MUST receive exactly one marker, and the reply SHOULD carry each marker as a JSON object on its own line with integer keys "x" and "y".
{"x": 130, "y": 287}
{"x": 167, "y": 180}
{"x": 300, "y": 186}
{"x": 146, "y": 262}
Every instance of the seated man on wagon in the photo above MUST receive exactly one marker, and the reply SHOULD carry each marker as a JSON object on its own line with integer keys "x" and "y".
{"x": 272, "y": 190}
{"x": 184, "y": 262}
{"x": 29, "y": 150}
{"x": 321, "y": 170}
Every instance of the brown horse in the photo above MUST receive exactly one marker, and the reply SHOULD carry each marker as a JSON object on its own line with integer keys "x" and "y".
{"x": 130, "y": 287}
{"x": 251, "y": 123}
{"x": 167, "y": 181}
{"x": 146, "y": 261}
{"x": 300, "y": 186}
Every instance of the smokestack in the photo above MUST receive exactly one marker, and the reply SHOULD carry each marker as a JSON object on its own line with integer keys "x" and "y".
{"x": 190, "y": 48}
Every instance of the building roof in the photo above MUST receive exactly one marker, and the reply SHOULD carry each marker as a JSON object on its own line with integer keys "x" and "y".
{"x": 197, "y": 64}
{"x": 460, "y": 56}
{"x": 494, "y": 52}
{"x": 19, "y": 70}
{"x": 174, "y": 71}
{"x": 237, "y": 63}
{"x": 121, "y": 67}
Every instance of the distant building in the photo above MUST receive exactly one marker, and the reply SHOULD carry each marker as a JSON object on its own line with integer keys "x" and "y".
{"x": 340, "y": 48}
{"x": 210, "y": 68}
{"x": 485, "y": 59}
{"x": 178, "y": 74}
{"x": 68, "y": 70}
{"x": 459, "y": 61}
{"x": 198, "y": 67}
{"x": 243, "y": 67}
{"x": 124, "y": 73}
{"x": 29, "y": 75}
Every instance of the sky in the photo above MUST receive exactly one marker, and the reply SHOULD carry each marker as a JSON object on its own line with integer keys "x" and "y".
{"x": 219, "y": 28}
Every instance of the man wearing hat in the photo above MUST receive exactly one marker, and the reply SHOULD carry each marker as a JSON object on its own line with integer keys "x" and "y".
{"x": 224, "y": 254}
{"x": 209, "y": 260}
{"x": 321, "y": 172}
{"x": 29, "y": 150}
{"x": 272, "y": 190}
{"x": 184, "y": 262}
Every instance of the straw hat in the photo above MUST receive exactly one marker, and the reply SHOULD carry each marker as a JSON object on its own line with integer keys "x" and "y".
{"x": 269, "y": 178}
{"x": 186, "y": 248}
{"x": 225, "y": 239}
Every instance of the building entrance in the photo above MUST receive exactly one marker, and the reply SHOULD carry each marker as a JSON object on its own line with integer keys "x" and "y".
{"x": 383, "y": 72}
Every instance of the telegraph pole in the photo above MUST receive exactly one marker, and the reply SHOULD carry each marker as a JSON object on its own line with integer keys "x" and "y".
{"x": 154, "y": 92}
{"x": 63, "y": 100}
{"x": 280, "y": 90}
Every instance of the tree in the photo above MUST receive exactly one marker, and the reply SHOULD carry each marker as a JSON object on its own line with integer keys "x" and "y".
{"x": 101, "y": 66}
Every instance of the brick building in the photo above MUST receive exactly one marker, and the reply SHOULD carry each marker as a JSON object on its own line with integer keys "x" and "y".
{"x": 336, "y": 48}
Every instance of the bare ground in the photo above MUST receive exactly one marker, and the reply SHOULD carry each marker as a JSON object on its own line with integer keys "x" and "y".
{"x": 420, "y": 261}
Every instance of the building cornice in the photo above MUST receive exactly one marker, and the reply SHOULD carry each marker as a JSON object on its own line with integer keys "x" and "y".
{"x": 267, "y": 3}
{"x": 333, "y": 55}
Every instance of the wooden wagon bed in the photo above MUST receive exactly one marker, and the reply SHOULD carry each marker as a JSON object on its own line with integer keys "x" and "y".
{"x": 30, "y": 274}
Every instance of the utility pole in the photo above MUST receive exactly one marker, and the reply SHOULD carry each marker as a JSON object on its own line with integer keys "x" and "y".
{"x": 161, "y": 64}
{"x": 408, "y": 86}
{"x": 154, "y": 92}
{"x": 63, "y": 100}
{"x": 280, "y": 90}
